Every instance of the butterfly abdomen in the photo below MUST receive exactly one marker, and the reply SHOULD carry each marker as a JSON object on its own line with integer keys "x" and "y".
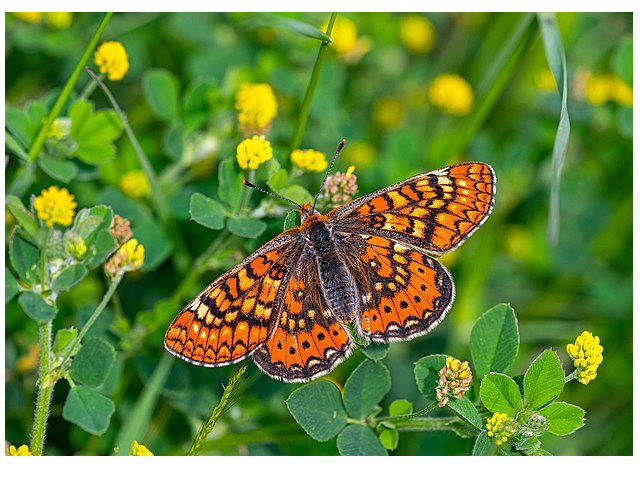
{"x": 339, "y": 288}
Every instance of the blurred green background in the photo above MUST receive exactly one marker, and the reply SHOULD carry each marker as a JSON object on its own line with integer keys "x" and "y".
{"x": 372, "y": 91}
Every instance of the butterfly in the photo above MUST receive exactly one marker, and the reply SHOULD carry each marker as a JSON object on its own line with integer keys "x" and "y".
{"x": 366, "y": 268}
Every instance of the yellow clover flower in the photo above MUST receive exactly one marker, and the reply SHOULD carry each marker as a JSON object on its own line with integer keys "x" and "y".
{"x": 59, "y": 19}
{"x": 139, "y": 450}
{"x": 253, "y": 151}
{"x": 257, "y": 106}
{"x": 129, "y": 257}
{"x": 586, "y": 353}
{"x": 135, "y": 184}
{"x": 112, "y": 59}
{"x": 21, "y": 451}
{"x": 29, "y": 17}
{"x": 621, "y": 92}
{"x": 452, "y": 94}
{"x": 310, "y": 160}
{"x": 417, "y": 33}
{"x": 55, "y": 205}
{"x": 597, "y": 89}
{"x": 74, "y": 244}
{"x": 500, "y": 428}
{"x": 454, "y": 381}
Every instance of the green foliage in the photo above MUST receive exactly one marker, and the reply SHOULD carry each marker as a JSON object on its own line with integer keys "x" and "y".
{"x": 181, "y": 130}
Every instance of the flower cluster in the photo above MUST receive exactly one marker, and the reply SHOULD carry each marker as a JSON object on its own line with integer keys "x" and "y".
{"x": 120, "y": 229}
{"x": 602, "y": 88}
{"x": 129, "y": 257}
{"x": 339, "y": 188}
{"x": 586, "y": 353}
{"x": 135, "y": 184}
{"x": 417, "y": 33}
{"x": 74, "y": 244}
{"x": 21, "y": 451}
{"x": 346, "y": 42}
{"x": 455, "y": 378}
{"x": 257, "y": 107}
{"x": 139, "y": 450}
{"x": 452, "y": 94}
{"x": 55, "y": 205}
{"x": 500, "y": 427}
{"x": 112, "y": 59}
{"x": 310, "y": 160}
{"x": 251, "y": 152}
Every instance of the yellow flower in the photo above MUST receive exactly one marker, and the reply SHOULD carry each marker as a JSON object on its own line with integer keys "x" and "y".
{"x": 417, "y": 33}
{"x": 546, "y": 81}
{"x": 309, "y": 160}
{"x": 598, "y": 89}
{"x": 129, "y": 257}
{"x": 59, "y": 19}
{"x": 621, "y": 92}
{"x": 29, "y": 17}
{"x": 135, "y": 184}
{"x": 345, "y": 38}
{"x": 112, "y": 59}
{"x": 500, "y": 428}
{"x": 139, "y": 450}
{"x": 251, "y": 152}
{"x": 452, "y": 94}
{"x": 74, "y": 244}
{"x": 257, "y": 107}
{"x": 388, "y": 112}
{"x": 454, "y": 381}
{"x": 587, "y": 356}
{"x": 55, "y": 205}
{"x": 22, "y": 451}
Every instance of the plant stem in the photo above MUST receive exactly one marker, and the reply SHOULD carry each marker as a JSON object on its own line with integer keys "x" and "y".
{"x": 45, "y": 391}
{"x": 217, "y": 411}
{"x": 419, "y": 413}
{"x": 181, "y": 258}
{"x": 311, "y": 87}
{"x": 25, "y": 177}
{"x": 453, "y": 424}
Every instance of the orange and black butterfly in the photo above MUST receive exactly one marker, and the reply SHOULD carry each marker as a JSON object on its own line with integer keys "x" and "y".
{"x": 366, "y": 264}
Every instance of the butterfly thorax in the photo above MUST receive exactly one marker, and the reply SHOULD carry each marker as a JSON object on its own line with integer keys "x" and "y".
{"x": 339, "y": 287}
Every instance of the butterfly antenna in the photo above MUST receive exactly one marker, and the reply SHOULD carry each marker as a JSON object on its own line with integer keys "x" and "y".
{"x": 327, "y": 174}
{"x": 249, "y": 184}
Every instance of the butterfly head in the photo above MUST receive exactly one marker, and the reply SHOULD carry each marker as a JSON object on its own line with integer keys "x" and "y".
{"x": 307, "y": 211}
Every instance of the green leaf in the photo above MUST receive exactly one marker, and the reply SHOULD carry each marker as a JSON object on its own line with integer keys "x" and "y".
{"x": 246, "y": 227}
{"x": 465, "y": 409}
{"x": 69, "y": 277}
{"x": 24, "y": 124}
{"x": 61, "y": 170}
{"x": 297, "y": 194}
{"x": 278, "y": 180}
{"x": 94, "y": 132}
{"x": 102, "y": 246}
{"x": 376, "y": 351}
{"x": 197, "y": 106}
{"x": 544, "y": 380}
{"x": 64, "y": 341}
{"x": 92, "y": 364}
{"x": 173, "y": 141}
{"x": 89, "y": 410}
{"x": 500, "y": 394}
{"x": 230, "y": 187}
{"x": 359, "y": 440}
{"x": 291, "y": 220}
{"x": 279, "y": 21}
{"x": 389, "y": 437}
{"x": 494, "y": 340}
{"x": 400, "y": 407}
{"x": 483, "y": 445}
{"x": 89, "y": 220}
{"x": 365, "y": 388}
{"x": 11, "y": 285}
{"x": 206, "y": 211}
{"x": 12, "y": 144}
{"x": 36, "y": 307}
{"x": 554, "y": 49}
{"x": 22, "y": 215}
{"x": 25, "y": 258}
{"x": 317, "y": 407}
{"x": 427, "y": 374}
{"x": 161, "y": 91}
{"x": 563, "y": 418}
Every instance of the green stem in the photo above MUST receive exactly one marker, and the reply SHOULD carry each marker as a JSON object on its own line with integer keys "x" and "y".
{"x": 572, "y": 376}
{"x": 217, "y": 411}
{"x": 452, "y": 424}
{"x": 105, "y": 300}
{"x": 45, "y": 391}
{"x": 311, "y": 87}
{"x": 181, "y": 258}
{"x": 25, "y": 177}
{"x": 419, "y": 413}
